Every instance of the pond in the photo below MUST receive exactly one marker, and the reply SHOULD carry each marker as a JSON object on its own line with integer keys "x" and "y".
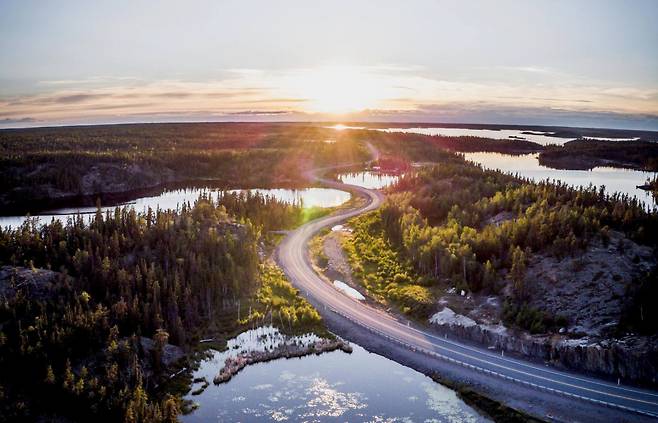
{"x": 172, "y": 199}
{"x": 369, "y": 179}
{"x": 335, "y": 386}
{"x": 624, "y": 181}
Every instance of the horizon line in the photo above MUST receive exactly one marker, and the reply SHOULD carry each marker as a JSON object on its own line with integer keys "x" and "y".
{"x": 344, "y": 122}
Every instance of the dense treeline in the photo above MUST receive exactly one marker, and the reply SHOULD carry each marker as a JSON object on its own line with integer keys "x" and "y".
{"x": 456, "y": 224}
{"x": 384, "y": 269}
{"x": 556, "y": 132}
{"x": 79, "y": 346}
{"x": 588, "y": 153}
{"x": 45, "y": 163}
{"x": 266, "y": 212}
{"x": 577, "y": 154}
{"x": 426, "y": 148}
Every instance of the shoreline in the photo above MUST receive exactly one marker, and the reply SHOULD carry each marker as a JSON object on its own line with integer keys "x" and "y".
{"x": 520, "y": 396}
{"x": 41, "y": 205}
{"x": 517, "y": 398}
{"x": 234, "y": 365}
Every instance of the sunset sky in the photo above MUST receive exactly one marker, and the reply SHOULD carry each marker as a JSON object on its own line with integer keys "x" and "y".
{"x": 573, "y": 63}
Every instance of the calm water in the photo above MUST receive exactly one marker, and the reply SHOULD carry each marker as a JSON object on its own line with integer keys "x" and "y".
{"x": 372, "y": 180}
{"x": 540, "y": 137}
{"x": 335, "y": 387}
{"x": 309, "y": 197}
{"x": 615, "y": 180}
{"x": 543, "y": 138}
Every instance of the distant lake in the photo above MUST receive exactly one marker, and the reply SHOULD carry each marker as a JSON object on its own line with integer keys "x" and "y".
{"x": 173, "y": 199}
{"x": 540, "y": 137}
{"x": 527, "y": 165}
{"x": 336, "y": 387}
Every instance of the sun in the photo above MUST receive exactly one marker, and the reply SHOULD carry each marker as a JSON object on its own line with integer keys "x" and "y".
{"x": 338, "y": 90}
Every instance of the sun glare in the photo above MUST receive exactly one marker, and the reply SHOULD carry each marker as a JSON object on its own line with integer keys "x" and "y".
{"x": 339, "y": 89}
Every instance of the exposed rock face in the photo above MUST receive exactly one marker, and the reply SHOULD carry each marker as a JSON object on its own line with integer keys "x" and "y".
{"x": 589, "y": 290}
{"x": 36, "y": 284}
{"x": 500, "y": 218}
{"x": 100, "y": 178}
{"x": 633, "y": 358}
{"x": 119, "y": 177}
{"x": 170, "y": 353}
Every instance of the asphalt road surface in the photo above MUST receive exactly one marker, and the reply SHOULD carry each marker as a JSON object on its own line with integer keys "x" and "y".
{"x": 292, "y": 256}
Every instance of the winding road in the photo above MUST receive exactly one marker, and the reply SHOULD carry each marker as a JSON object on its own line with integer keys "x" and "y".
{"x": 292, "y": 256}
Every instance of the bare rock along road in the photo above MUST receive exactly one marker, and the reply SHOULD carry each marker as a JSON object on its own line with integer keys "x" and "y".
{"x": 292, "y": 255}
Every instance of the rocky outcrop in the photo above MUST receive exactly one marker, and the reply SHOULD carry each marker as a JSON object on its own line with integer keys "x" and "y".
{"x": 170, "y": 355}
{"x": 585, "y": 295}
{"x": 98, "y": 179}
{"x": 37, "y": 284}
{"x": 589, "y": 290}
{"x": 632, "y": 358}
{"x": 121, "y": 177}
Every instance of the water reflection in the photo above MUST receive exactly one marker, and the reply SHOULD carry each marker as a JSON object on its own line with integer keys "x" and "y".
{"x": 330, "y": 387}
{"x": 624, "y": 181}
{"x": 368, "y": 179}
{"x": 173, "y": 199}
{"x": 543, "y": 138}
{"x": 540, "y": 137}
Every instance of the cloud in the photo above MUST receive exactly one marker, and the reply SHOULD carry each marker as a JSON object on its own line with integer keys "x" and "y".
{"x": 92, "y": 80}
{"x": 260, "y": 113}
{"x": 173, "y": 95}
{"x": 509, "y": 115}
{"x": 528, "y": 69}
{"x": 117, "y": 106}
{"x": 77, "y": 98}
{"x": 557, "y": 100}
{"x": 281, "y": 100}
{"x": 369, "y": 92}
{"x": 10, "y": 121}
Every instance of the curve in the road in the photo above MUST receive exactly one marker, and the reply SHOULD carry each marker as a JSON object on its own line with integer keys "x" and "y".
{"x": 293, "y": 258}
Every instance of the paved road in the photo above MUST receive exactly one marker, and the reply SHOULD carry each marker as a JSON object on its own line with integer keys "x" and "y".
{"x": 293, "y": 258}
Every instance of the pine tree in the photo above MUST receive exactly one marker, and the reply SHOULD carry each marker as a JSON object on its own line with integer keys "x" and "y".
{"x": 517, "y": 272}
{"x": 50, "y": 375}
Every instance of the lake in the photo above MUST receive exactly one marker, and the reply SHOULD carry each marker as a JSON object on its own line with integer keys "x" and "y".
{"x": 540, "y": 137}
{"x": 624, "y": 181}
{"x": 334, "y": 386}
{"x": 615, "y": 180}
{"x": 173, "y": 199}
